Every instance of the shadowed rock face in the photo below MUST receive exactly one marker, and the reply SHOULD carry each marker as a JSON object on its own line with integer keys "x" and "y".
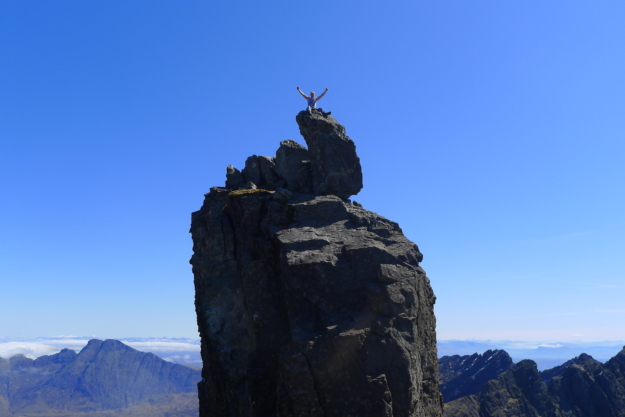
{"x": 310, "y": 306}
{"x": 582, "y": 387}
{"x": 292, "y": 164}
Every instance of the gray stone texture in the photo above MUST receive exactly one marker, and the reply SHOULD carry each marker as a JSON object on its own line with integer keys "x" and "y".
{"x": 293, "y": 165}
{"x": 310, "y": 306}
{"x": 268, "y": 172}
{"x": 251, "y": 172}
{"x": 335, "y": 166}
{"x": 329, "y": 166}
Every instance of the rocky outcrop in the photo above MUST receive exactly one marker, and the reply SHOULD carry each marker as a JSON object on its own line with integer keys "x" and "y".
{"x": 308, "y": 305}
{"x": 293, "y": 167}
{"x": 466, "y": 375}
{"x": 333, "y": 160}
{"x": 583, "y": 387}
{"x": 105, "y": 375}
{"x": 330, "y": 165}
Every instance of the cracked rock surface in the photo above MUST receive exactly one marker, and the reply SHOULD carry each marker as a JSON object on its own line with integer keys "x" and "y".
{"x": 308, "y": 305}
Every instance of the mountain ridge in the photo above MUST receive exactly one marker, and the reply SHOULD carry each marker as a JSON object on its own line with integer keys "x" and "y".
{"x": 581, "y": 387}
{"x": 105, "y": 375}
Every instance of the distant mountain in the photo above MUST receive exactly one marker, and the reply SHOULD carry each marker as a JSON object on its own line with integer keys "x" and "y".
{"x": 465, "y": 375}
{"x": 184, "y": 351}
{"x": 105, "y": 375}
{"x": 546, "y": 355}
{"x": 582, "y": 387}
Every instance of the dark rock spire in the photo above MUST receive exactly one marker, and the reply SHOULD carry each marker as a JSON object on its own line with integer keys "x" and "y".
{"x": 307, "y": 304}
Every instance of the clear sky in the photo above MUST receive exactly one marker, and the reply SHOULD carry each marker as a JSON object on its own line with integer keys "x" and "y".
{"x": 491, "y": 131}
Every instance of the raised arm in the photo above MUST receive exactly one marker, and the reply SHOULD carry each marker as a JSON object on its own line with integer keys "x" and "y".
{"x": 323, "y": 94}
{"x": 304, "y": 95}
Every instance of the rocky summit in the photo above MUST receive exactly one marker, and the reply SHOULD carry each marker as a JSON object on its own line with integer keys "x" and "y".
{"x": 308, "y": 304}
{"x": 329, "y": 166}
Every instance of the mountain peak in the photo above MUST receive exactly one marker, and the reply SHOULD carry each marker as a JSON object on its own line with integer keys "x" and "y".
{"x": 105, "y": 375}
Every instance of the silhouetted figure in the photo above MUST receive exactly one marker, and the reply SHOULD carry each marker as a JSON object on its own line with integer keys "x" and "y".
{"x": 312, "y": 100}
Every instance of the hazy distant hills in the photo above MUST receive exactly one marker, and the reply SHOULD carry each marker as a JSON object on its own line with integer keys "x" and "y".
{"x": 184, "y": 351}
{"x": 581, "y": 387}
{"x": 107, "y": 378}
{"x": 546, "y": 355}
{"x": 110, "y": 379}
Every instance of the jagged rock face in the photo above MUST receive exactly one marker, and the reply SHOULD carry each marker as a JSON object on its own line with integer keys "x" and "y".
{"x": 310, "y": 306}
{"x": 519, "y": 391}
{"x": 583, "y": 387}
{"x": 105, "y": 375}
{"x": 466, "y": 375}
{"x": 329, "y": 166}
{"x": 335, "y": 166}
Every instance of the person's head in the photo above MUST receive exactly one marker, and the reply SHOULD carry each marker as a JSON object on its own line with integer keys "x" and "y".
{"x": 312, "y": 93}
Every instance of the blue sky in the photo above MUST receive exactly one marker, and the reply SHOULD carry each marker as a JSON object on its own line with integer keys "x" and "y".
{"x": 491, "y": 131}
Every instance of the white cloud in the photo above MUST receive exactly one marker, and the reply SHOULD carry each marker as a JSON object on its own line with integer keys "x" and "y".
{"x": 34, "y": 348}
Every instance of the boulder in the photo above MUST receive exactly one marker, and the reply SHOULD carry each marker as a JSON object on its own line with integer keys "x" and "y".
{"x": 335, "y": 165}
{"x": 293, "y": 165}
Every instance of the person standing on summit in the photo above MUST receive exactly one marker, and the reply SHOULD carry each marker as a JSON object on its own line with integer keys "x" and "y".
{"x": 312, "y": 100}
